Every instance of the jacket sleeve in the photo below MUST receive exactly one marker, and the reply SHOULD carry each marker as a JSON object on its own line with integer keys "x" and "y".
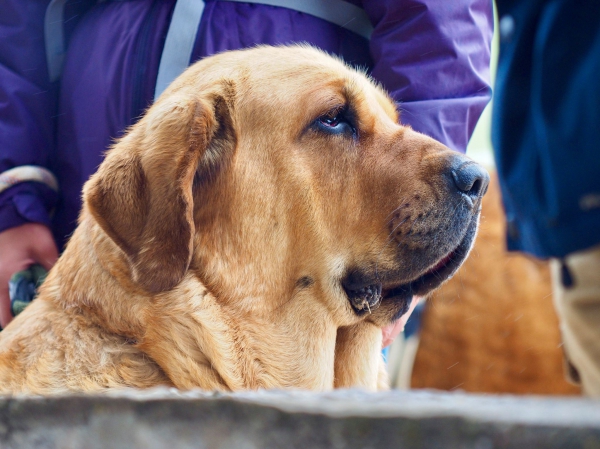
{"x": 434, "y": 58}
{"x": 27, "y": 110}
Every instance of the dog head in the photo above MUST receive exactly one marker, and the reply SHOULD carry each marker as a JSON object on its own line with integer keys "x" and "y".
{"x": 280, "y": 174}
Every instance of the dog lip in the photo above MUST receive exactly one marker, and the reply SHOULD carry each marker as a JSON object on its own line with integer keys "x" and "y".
{"x": 447, "y": 265}
{"x": 441, "y": 271}
{"x": 366, "y": 293}
{"x": 437, "y": 273}
{"x": 365, "y": 299}
{"x": 441, "y": 264}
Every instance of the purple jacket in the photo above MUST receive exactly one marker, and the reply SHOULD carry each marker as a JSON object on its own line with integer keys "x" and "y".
{"x": 432, "y": 56}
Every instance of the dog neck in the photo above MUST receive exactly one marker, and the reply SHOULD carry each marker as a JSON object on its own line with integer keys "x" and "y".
{"x": 197, "y": 339}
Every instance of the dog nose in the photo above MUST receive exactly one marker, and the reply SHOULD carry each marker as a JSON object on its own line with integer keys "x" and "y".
{"x": 471, "y": 179}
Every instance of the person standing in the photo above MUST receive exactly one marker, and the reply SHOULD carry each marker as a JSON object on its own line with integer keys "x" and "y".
{"x": 546, "y": 121}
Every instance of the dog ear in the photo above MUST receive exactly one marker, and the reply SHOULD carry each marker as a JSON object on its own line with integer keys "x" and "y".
{"x": 142, "y": 195}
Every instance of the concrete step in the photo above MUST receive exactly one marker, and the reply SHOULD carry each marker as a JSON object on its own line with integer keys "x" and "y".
{"x": 166, "y": 418}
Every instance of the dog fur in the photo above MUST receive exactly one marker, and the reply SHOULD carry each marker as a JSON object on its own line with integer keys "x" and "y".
{"x": 255, "y": 229}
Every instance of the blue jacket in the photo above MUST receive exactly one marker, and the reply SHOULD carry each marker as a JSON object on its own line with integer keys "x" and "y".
{"x": 432, "y": 55}
{"x": 546, "y": 124}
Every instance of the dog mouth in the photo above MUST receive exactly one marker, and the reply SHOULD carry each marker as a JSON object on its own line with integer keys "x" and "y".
{"x": 367, "y": 297}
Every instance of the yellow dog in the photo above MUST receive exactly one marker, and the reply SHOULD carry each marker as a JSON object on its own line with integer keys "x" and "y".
{"x": 255, "y": 229}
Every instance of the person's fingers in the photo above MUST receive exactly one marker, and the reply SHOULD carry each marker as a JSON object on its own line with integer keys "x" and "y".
{"x": 5, "y": 313}
{"x": 21, "y": 247}
{"x": 44, "y": 251}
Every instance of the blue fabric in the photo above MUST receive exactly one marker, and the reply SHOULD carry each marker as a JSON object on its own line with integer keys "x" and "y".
{"x": 27, "y": 202}
{"x": 546, "y": 124}
{"x": 413, "y": 325}
{"x": 385, "y": 352}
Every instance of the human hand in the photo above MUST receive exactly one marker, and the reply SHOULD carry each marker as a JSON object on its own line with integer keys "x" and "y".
{"x": 21, "y": 247}
{"x": 391, "y": 331}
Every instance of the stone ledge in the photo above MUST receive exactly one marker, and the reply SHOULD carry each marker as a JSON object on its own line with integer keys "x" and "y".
{"x": 166, "y": 418}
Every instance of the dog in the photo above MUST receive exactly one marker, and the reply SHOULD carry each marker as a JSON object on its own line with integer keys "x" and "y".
{"x": 257, "y": 228}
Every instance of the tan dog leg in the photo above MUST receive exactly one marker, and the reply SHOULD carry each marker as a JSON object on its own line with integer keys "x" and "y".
{"x": 358, "y": 357}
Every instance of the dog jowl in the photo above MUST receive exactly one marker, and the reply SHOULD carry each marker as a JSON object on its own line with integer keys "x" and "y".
{"x": 255, "y": 229}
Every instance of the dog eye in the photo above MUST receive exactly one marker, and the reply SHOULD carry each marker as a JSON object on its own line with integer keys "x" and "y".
{"x": 331, "y": 122}
{"x": 336, "y": 122}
